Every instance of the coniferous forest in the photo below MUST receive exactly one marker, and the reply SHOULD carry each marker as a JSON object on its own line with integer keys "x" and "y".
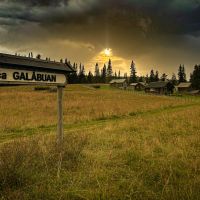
{"x": 106, "y": 74}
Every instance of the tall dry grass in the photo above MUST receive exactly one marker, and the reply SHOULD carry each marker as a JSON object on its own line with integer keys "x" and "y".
{"x": 31, "y": 163}
{"x": 149, "y": 156}
{"x": 25, "y": 108}
{"x": 140, "y": 155}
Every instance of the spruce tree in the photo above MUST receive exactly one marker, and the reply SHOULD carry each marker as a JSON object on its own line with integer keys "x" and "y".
{"x": 174, "y": 80}
{"x": 103, "y": 75}
{"x": 82, "y": 77}
{"x": 109, "y": 70}
{"x": 90, "y": 77}
{"x": 74, "y": 66}
{"x": 195, "y": 77}
{"x": 97, "y": 73}
{"x": 73, "y": 77}
{"x": 133, "y": 77}
{"x": 152, "y": 76}
{"x": 38, "y": 56}
{"x": 119, "y": 74}
{"x": 147, "y": 79}
{"x": 181, "y": 74}
{"x": 115, "y": 75}
{"x": 164, "y": 77}
{"x": 157, "y": 76}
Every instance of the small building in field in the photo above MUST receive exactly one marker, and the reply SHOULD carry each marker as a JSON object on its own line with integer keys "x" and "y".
{"x": 184, "y": 87}
{"x": 137, "y": 86}
{"x": 119, "y": 83}
{"x": 160, "y": 87}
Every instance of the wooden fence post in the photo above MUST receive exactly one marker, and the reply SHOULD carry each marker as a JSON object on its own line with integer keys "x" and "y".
{"x": 60, "y": 133}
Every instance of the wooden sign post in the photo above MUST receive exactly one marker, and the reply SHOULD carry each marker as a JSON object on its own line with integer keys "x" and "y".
{"x": 60, "y": 133}
{"x": 17, "y": 70}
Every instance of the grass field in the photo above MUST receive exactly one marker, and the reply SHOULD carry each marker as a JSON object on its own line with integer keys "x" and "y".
{"x": 118, "y": 145}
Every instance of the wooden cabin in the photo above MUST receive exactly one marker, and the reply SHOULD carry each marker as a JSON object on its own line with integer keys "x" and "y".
{"x": 184, "y": 87}
{"x": 160, "y": 87}
{"x": 137, "y": 86}
{"x": 119, "y": 83}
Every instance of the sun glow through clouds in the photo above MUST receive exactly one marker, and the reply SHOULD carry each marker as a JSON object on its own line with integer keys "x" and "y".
{"x": 118, "y": 62}
{"x": 108, "y": 52}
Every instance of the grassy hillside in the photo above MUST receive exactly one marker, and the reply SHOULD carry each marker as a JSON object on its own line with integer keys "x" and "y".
{"x": 118, "y": 145}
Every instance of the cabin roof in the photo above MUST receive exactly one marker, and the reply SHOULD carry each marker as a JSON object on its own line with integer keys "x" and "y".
{"x": 139, "y": 83}
{"x": 142, "y": 83}
{"x": 118, "y": 81}
{"x": 20, "y": 61}
{"x": 184, "y": 85}
{"x": 133, "y": 84}
{"x": 159, "y": 84}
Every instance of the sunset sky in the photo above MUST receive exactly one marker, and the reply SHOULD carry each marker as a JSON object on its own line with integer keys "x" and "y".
{"x": 159, "y": 34}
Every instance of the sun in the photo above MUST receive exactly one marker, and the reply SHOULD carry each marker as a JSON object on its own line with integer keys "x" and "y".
{"x": 108, "y": 52}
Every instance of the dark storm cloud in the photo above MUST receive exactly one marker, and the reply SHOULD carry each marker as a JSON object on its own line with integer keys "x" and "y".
{"x": 133, "y": 28}
{"x": 37, "y": 2}
{"x": 170, "y": 16}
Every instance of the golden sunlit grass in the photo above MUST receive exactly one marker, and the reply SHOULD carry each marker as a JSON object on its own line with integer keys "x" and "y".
{"x": 24, "y": 108}
{"x": 120, "y": 145}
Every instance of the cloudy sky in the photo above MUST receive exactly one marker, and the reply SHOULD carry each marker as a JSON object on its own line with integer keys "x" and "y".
{"x": 159, "y": 34}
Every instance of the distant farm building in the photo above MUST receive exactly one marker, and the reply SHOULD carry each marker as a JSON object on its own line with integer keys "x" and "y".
{"x": 137, "y": 86}
{"x": 184, "y": 87}
{"x": 119, "y": 83}
{"x": 160, "y": 87}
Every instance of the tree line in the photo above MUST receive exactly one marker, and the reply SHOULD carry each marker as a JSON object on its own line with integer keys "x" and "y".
{"x": 180, "y": 78}
{"x": 100, "y": 75}
{"x": 106, "y": 74}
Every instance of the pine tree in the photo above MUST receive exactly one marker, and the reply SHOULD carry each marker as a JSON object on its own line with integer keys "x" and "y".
{"x": 152, "y": 76}
{"x": 74, "y": 66}
{"x": 90, "y": 77}
{"x": 174, "y": 80}
{"x": 82, "y": 77}
{"x": 133, "y": 77}
{"x": 147, "y": 79}
{"x": 103, "y": 75}
{"x": 97, "y": 73}
{"x": 195, "y": 77}
{"x": 73, "y": 77}
{"x": 119, "y": 74}
{"x": 181, "y": 74}
{"x": 157, "y": 76}
{"x": 115, "y": 75}
{"x": 38, "y": 56}
{"x": 109, "y": 70}
{"x": 164, "y": 77}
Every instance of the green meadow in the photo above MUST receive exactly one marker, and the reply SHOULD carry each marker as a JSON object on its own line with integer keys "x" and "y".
{"x": 117, "y": 145}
